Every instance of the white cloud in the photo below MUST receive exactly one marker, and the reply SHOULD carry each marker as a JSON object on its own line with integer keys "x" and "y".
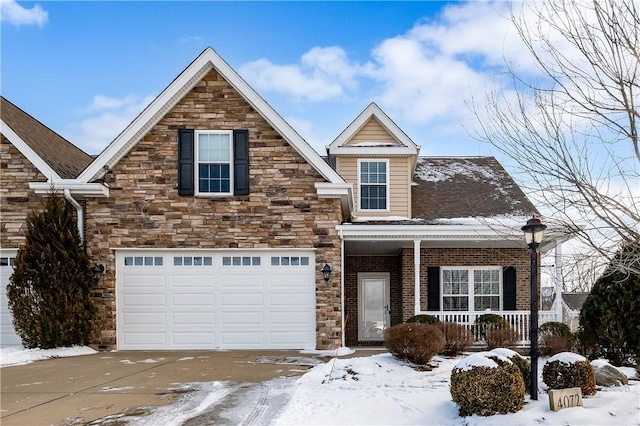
{"x": 14, "y": 14}
{"x": 323, "y": 73}
{"x": 104, "y": 118}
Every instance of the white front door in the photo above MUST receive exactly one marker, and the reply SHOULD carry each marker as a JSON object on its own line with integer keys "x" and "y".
{"x": 373, "y": 305}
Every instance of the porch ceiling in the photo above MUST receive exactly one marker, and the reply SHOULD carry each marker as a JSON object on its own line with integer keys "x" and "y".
{"x": 386, "y": 247}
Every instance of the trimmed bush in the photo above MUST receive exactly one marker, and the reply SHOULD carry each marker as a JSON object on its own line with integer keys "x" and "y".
{"x": 486, "y": 384}
{"x": 555, "y": 337}
{"x": 424, "y": 319}
{"x": 519, "y": 361}
{"x": 457, "y": 338}
{"x": 486, "y": 322}
{"x": 569, "y": 370}
{"x": 501, "y": 338}
{"x": 414, "y": 342}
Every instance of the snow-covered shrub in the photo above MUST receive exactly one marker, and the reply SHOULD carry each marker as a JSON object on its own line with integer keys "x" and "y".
{"x": 486, "y": 383}
{"x": 521, "y": 362}
{"x": 424, "y": 319}
{"x": 457, "y": 338}
{"x": 414, "y": 342}
{"x": 569, "y": 370}
{"x": 555, "y": 337}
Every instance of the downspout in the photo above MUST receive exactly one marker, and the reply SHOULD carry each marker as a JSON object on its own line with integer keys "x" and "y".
{"x": 343, "y": 319}
{"x": 559, "y": 301}
{"x": 67, "y": 195}
{"x": 416, "y": 277}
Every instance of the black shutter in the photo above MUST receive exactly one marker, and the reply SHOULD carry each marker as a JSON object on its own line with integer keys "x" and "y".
{"x": 185, "y": 162}
{"x": 433, "y": 288}
{"x": 241, "y": 162}
{"x": 509, "y": 289}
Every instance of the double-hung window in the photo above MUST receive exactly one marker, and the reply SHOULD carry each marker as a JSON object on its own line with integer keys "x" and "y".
{"x": 214, "y": 158}
{"x": 471, "y": 289}
{"x": 373, "y": 184}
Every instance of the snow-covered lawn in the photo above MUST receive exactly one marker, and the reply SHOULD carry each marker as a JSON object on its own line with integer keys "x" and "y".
{"x": 17, "y": 355}
{"x": 373, "y": 390}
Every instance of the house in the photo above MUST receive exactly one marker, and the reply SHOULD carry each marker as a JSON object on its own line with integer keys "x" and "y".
{"x": 217, "y": 225}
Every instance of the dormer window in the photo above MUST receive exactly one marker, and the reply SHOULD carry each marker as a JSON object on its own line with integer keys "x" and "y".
{"x": 373, "y": 178}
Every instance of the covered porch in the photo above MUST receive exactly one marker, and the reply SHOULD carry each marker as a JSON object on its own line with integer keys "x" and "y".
{"x": 455, "y": 272}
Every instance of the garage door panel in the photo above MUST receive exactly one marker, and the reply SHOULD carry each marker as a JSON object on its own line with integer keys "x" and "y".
{"x": 289, "y": 299}
{"x": 292, "y": 319}
{"x": 206, "y": 301}
{"x": 8, "y": 336}
{"x": 144, "y": 318}
{"x": 240, "y": 281}
{"x": 194, "y": 340}
{"x": 200, "y": 319}
{"x": 237, "y": 301}
{"x": 242, "y": 339}
{"x": 143, "y": 281}
{"x": 242, "y": 318}
{"x": 242, "y": 300}
{"x": 149, "y": 300}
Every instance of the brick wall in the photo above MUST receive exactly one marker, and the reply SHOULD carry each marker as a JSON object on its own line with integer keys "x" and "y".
{"x": 16, "y": 199}
{"x": 281, "y": 211}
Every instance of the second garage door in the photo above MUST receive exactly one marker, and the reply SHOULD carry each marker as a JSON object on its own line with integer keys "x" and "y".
{"x": 208, "y": 299}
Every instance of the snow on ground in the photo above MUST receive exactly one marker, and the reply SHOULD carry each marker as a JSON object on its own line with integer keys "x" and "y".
{"x": 380, "y": 390}
{"x": 17, "y": 355}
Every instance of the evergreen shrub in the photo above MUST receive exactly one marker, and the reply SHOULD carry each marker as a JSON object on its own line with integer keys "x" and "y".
{"x": 424, "y": 319}
{"x": 414, "y": 342}
{"x": 569, "y": 370}
{"x": 519, "y": 361}
{"x": 49, "y": 292}
{"x": 487, "y": 390}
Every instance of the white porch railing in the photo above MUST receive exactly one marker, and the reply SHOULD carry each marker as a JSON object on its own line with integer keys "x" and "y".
{"x": 519, "y": 321}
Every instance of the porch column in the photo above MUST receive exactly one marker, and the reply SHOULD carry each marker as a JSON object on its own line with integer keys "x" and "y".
{"x": 416, "y": 272}
{"x": 559, "y": 301}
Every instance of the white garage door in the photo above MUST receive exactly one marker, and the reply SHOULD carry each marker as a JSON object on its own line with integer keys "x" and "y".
{"x": 208, "y": 299}
{"x": 8, "y": 335}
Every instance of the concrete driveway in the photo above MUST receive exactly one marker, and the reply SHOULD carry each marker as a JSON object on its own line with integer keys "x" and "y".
{"x": 79, "y": 390}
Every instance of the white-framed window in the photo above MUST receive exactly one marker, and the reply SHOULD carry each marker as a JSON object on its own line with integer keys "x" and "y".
{"x": 214, "y": 162}
{"x": 373, "y": 184}
{"x": 471, "y": 288}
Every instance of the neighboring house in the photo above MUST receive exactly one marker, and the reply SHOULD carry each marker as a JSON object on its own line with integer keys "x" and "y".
{"x": 571, "y": 306}
{"x": 214, "y": 220}
{"x": 30, "y": 152}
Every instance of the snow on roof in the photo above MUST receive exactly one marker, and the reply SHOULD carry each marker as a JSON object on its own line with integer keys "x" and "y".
{"x": 480, "y": 359}
{"x": 455, "y": 167}
{"x": 567, "y": 358}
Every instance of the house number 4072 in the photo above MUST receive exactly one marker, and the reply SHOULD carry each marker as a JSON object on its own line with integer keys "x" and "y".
{"x": 565, "y": 398}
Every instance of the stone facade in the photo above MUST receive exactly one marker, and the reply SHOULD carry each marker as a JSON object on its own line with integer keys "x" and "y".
{"x": 16, "y": 199}
{"x": 282, "y": 210}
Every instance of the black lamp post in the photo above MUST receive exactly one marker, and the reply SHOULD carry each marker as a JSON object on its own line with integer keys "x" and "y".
{"x": 533, "y": 233}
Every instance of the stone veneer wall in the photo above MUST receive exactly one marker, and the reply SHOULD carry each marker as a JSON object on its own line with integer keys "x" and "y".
{"x": 519, "y": 258}
{"x": 282, "y": 210}
{"x": 356, "y": 264}
{"x": 16, "y": 199}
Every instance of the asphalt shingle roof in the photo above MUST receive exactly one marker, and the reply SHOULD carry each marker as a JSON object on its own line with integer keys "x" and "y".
{"x": 460, "y": 187}
{"x": 61, "y": 155}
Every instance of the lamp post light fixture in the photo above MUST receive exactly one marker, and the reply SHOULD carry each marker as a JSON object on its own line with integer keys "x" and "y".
{"x": 326, "y": 271}
{"x": 533, "y": 233}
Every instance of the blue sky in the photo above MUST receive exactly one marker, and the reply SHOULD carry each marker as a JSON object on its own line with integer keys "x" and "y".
{"x": 86, "y": 69}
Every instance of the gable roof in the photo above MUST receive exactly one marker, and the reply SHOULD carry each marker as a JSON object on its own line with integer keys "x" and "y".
{"x": 458, "y": 187}
{"x": 54, "y": 156}
{"x": 404, "y": 146}
{"x": 179, "y": 87}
